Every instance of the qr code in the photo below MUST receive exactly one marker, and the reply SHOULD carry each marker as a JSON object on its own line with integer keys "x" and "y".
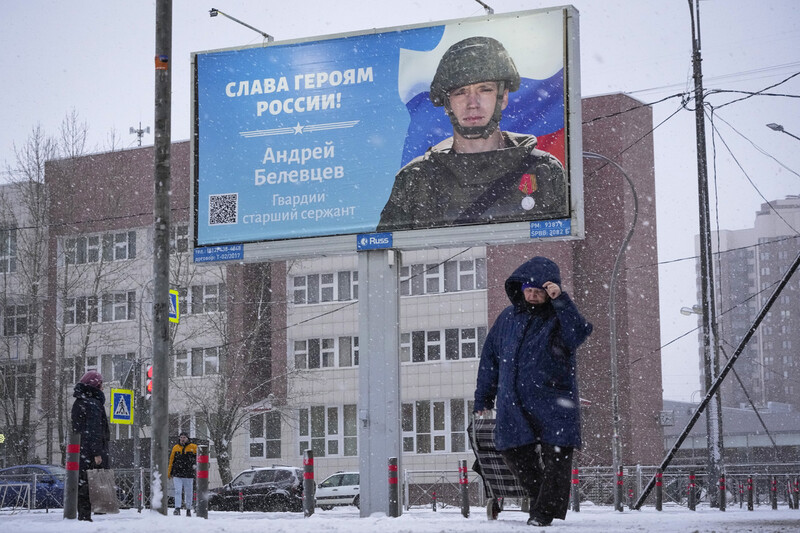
{"x": 223, "y": 209}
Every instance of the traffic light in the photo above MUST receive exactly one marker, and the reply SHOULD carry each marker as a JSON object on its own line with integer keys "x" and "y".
{"x": 149, "y": 383}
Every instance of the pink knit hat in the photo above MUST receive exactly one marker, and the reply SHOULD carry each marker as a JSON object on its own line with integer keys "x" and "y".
{"x": 93, "y": 378}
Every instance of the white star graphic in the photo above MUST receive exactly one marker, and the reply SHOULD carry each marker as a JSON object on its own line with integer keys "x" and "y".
{"x": 298, "y": 129}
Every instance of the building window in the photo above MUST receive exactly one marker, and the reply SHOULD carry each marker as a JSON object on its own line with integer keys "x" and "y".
{"x": 179, "y": 239}
{"x": 15, "y": 320}
{"x": 335, "y": 352}
{"x": 81, "y": 310}
{"x": 87, "y": 249}
{"x": 326, "y": 287}
{"x": 265, "y": 435}
{"x": 455, "y": 343}
{"x": 118, "y": 306}
{"x": 328, "y": 431}
{"x": 206, "y": 299}
{"x": 197, "y": 362}
{"x": 18, "y": 381}
{"x": 435, "y": 426}
{"x": 115, "y": 367}
{"x": 8, "y": 250}
{"x": 451, "y": 276}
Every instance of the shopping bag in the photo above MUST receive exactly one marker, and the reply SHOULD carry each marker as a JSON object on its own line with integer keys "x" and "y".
{"x": 102, "y": 491}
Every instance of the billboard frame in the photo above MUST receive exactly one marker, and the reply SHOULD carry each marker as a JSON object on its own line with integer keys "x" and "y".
{"x": 464, "y": 235}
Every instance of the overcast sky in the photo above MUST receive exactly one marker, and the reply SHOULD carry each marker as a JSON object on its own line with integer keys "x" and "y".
{"x": 96, "y": 57}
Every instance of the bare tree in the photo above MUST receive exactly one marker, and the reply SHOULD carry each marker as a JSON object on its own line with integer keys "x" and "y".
{"x": 23, "y": 252}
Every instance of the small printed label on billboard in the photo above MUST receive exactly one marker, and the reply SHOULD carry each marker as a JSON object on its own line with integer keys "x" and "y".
{"x": 229, "y": 252}
{"x": 373, "y": 241}
{"x": 551, "y": 228}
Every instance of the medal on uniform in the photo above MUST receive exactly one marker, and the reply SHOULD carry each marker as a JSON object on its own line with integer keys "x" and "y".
{"x": 527, "y": 185}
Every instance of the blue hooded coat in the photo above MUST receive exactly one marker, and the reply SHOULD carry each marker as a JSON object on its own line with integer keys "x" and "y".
{"x": 527, "y": 366}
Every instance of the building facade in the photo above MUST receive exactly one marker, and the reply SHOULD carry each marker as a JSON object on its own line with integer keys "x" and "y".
{"x": 748, "y": 265}
{"x": 274, "y": 347}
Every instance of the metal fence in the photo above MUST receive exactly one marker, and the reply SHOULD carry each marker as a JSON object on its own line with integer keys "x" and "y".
{"x": 440, "y": 488}
{"x": 31, "y": 491}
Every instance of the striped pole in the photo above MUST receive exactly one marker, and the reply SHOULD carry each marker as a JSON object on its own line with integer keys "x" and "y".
{"x": 692, "y": 494}
{"x": 620, "y": 489}
{"x": 576, "y": 493}
{"x": 723, "y": 496}
{"x": 463, "y": 483}
{"x": 750, "y": 493}
{"x": 394, "y": 489}
{"x": 309, "y": 487}
{"x": 773, "y": 493}
{"x": 73, "y": 473}
{"x": 202, "y": 482}
{"x": 659, "y": 489}
{"x": 796, "y": 492}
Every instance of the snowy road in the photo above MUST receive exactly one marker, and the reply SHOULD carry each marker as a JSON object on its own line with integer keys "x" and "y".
{"x": 346, "y": 520}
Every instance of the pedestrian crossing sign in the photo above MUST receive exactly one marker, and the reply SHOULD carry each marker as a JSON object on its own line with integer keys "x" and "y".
{"x": 121, "y": 406}
{"x": 174, "y": 309}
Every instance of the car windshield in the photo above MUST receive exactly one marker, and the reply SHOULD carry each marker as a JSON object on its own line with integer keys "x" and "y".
{"x": 245, "y": 478}
{"x": 333, "y": 481}
{"x": 56, "y": 470}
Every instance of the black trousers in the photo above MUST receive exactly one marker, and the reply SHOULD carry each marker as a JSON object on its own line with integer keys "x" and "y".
{"x": 545, "y": 472}
{"x": 84, "y": 504}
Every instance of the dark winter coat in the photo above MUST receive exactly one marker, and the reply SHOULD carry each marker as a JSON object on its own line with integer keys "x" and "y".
{"x": 445, "y": 188}
{"x": 528, "y": 365}
{"x": 182, "y": 460}
{"x": 90, "y": 420}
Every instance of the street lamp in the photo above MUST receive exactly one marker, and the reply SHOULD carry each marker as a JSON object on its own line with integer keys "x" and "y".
{"x": 778, "y": 127}
{"x": 693, "y": 310}
{"x": 616, "y": 439}
{"x": 213, "y": 12}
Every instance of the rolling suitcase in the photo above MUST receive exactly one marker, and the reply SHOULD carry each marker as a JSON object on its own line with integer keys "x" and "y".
{"x": 498, "y": 480}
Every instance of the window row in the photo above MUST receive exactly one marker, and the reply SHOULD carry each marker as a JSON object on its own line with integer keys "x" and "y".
{"x": 121, "y": 305}
{"x": 429, "y": 426}
{"x": 450, "y": 344}
{"x": 197, "y": 362}
{"x": 328, "y": 287}
{"x": 91, "y": 248}
{"x": 450, "y": 276}
{"x": 330, "y": 352}
{"x": 200, "y": 299}
{"x": 110, "y": 307}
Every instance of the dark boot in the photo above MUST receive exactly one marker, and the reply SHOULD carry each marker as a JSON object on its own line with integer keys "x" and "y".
{"x": 189, "y": 512}
{"x": 176, "y": 512}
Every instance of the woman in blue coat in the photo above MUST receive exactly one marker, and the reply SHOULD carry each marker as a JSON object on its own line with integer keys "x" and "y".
{"x": 527, "y": 372}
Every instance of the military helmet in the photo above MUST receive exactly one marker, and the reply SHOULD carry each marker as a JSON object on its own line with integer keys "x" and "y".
{"x": 473, "y": 60}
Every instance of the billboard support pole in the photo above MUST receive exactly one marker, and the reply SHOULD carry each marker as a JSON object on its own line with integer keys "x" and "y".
{"x": 161, "y": 201}
{"x": 378, "y": 375}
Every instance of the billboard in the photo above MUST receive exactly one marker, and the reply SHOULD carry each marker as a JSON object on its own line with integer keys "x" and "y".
{"x": 391, "y": 131}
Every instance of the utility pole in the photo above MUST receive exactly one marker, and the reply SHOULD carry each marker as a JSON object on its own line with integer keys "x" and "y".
{"x": 710, "y": 343}
{"x": 161, "y": 175}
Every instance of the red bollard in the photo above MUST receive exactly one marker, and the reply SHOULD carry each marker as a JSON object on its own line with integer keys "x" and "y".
{"x": 796, "y": 493}
{"x": 692, "y": 494}
{"x": 433, "y": 501}
{"x": 394, "y": 489}
{"x": 309, "y": 487}
{"x": 576, "y": 494}
{"x": 73, "y": 474}
{"x": 773, "y": 493}
{"x": 659, "y": 490}
{"x": 202, "y": 482}
{"x": 463, "y": 483}
{"x": 620, "y": 489}
{"x": 241, "y": 502}
{"x": 723, "y": 501}
{"x": 750, "y": 493}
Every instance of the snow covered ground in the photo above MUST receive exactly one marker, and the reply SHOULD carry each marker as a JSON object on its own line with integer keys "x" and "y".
{"x": 347, "y": 520}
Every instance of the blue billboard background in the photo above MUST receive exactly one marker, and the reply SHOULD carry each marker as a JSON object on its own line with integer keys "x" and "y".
{"x": 304, "y": 139}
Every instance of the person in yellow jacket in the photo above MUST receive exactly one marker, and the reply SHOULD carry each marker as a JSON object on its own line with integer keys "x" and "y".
{"x": 182, "y": 465}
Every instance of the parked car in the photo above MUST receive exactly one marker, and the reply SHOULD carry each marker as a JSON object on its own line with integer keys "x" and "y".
{"x": 276, "y": 488}
{"x": 339, "y": 489}
{"x": 43, "y": 484}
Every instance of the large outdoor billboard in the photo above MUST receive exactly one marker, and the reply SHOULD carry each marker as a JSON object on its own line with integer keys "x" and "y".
{"x": 391, "y": 131}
